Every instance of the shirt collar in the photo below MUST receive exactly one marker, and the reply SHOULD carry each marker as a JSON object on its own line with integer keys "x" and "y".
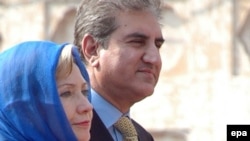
{"x": 105, "y": 110}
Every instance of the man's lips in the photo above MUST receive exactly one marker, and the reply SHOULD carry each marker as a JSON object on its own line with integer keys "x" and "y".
{"x": 146, "y": 70}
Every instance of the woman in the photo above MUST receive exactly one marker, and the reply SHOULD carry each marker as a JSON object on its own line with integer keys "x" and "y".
{"x": 43, "y": 93}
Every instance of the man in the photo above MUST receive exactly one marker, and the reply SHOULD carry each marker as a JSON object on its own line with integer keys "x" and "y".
{"x": 119, "y": 41}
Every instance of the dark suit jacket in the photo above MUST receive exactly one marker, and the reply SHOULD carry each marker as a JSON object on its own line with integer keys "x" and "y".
{"x": 100, "y": 133}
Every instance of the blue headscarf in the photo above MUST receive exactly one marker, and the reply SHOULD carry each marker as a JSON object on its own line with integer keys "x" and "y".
{"x": 30, "y": 108}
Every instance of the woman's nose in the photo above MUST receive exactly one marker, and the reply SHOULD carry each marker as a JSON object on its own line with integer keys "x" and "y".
{"x": 84, "y": 105}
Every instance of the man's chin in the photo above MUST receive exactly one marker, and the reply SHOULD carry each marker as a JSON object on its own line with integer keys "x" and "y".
{"x": 146, "y": 93}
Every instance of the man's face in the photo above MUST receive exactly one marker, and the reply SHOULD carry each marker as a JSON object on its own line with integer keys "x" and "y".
{"x": 131, "y": 64}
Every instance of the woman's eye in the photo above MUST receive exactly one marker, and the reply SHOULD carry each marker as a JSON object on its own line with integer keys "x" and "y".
{"x": 65, "y": 94}
{"x": 85, "y": 92}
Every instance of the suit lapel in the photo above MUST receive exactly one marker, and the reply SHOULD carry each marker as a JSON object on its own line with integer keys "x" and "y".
{"x": 98, "y": 130}
{"x": 143, "y": 135}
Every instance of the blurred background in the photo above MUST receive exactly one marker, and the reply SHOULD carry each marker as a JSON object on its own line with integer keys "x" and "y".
{"x": 205, "y": 79}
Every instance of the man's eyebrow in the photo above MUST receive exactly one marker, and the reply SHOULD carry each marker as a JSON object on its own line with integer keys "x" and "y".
{"x": 143, "y": 36}
{"x": 136, "y": 35}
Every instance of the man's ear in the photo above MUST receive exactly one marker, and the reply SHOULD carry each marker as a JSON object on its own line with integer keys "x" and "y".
{"x": 90, "y": 50}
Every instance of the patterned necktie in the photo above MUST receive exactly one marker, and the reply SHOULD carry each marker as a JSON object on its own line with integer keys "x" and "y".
{"x": 127, "y": 129}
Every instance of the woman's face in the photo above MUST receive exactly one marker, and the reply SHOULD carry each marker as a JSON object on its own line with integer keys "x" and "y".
{"x": 73, "y": 91}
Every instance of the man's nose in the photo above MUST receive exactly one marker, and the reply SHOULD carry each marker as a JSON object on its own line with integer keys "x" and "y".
{"x": 152, "y": 55}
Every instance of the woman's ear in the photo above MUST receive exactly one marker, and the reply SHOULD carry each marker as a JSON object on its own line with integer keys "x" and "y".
{"x": 90, "y": 50}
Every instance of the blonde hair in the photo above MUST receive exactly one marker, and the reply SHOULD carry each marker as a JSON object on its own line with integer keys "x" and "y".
{"x": 65, "y": 63}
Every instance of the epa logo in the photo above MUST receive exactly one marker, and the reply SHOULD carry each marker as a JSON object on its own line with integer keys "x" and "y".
{"x": 238, "y": 132}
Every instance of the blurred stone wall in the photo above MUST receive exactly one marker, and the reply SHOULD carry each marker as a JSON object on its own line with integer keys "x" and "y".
{"x": 22, "y": 20}
{"x": 198, "y": 92}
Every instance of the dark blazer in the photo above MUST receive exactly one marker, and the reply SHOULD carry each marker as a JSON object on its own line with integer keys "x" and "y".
{"x": 99, "y": 132}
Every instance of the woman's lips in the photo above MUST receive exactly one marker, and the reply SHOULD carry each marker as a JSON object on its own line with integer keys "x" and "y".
{"x": 83, "y": 123}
